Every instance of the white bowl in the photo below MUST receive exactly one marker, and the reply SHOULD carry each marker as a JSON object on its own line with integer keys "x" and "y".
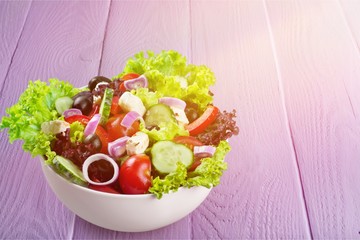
{"x": 126, "y": 213}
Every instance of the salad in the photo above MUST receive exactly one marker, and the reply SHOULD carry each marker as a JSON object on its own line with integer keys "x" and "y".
{"x": 151, "y": 129}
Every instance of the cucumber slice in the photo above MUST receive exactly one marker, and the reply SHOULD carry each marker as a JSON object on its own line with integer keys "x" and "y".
{"x": 69, "y": 170}
{"x": 105, "y": 106}
{"x": 166, "y": 154}
{"x": 62, "y": 104}
{"x": 157, "y": 114}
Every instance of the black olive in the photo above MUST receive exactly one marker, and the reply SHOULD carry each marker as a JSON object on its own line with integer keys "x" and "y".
{"x": 84, "y": 102}
{"x": 95, "y": 80}
{"x": 94, "y": 140}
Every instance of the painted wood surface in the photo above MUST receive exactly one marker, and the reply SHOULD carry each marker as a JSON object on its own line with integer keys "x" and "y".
{"x": 291, "y": 69}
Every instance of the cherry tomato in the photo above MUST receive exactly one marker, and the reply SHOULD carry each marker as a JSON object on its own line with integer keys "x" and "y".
{"x": 115, "y": 129}
{"x": 189, "y": 141}
{"x": 127, "y": 77}
{"x": 115, "y": 107}
{"x": 200, "y": 124}
{"x": 104, "y": 138}
{"x": 79, "y": 118}
{"x": 106, "y": 188}
{"x": 135, "y": 174}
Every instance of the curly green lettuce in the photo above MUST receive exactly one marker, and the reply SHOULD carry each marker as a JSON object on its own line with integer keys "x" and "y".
{"x": 35, "y": 106}
{"x": 165, "y": 131}
{"x": 207, "y": 174}
{"x": 169, "y": 74}
{"x": 77, "y": 132}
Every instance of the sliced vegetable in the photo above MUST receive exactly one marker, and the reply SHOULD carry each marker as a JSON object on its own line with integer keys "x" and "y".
{"x": 92, "y": 125}
{"x": 189, "y": 141}
{"x": 140, "y": 82}
{"x": 157, "y": 114}
{"x": 130, "y": 76}
{"x": 200, "y": 124}
{"x": 115, "y": 107}
{"x": 166, "y": 154}
{"x": 115, "y": 130}
{"x": 117, "y": 148}
{"x": 104, "y": 138}
{"x": 78, "y": 118}
{"x": 69, "y": 170}
{"x": 106, "y": 105}
{"x": 130, "y": 118}
{"x": 173, "y": 102}
{"x": 125, "y": 78}
{"x": 63, "y": 103}
{"x": 72, "y": 112}
{"x": 204, "y": 151}
{"x": 97, "y": 157}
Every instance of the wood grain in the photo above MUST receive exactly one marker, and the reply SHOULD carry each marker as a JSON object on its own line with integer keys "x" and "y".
{"x": 61, "y": 40}
{"x": 262, "y": 165}
{"x": 135, "y": 26}
{"x": 11, "y": 29}
{"x": 319, "y": 67}
{"x": 350, "y": 10}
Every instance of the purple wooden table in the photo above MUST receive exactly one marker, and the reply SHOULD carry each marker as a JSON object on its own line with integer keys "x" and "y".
{"x": 290, "y": 68}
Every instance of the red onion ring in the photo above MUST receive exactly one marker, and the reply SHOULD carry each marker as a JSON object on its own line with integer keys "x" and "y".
{"x": 97, "y": 157}
{"x": 140, "y": 82}
{"x": 206, "y": 150}
{"x": 92, "y": 125}
{"x": 118, "y": 147}
{"x": 173, "y": 102}
{"x": 130, "y": 118}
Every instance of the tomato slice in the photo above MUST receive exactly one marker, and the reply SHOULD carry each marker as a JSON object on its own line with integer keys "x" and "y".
{"x": 79, "y": 118}
{"x": 115, "y": 107}
{"x": 201, "y": 123}
{"x": 127, "y": 77}
{"x": 95, "y": 110}
{"x": 104, "y": 138}
{"x": 130, "y": 76}
{"x": 116, "y": 130}
{"x": 189, "y": 141}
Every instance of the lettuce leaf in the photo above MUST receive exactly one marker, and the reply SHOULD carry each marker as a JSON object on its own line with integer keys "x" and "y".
{"x": 210, "y": 170}
{"x": 166, "y": 131}
{"x": 207, "y": 174}
{"x": 169, "y": 74}
{"x": 35, "y": 106}
{"x": 171, "y": 182}
{"x": 77, "y": 132}
{"x": 147, "y": 97}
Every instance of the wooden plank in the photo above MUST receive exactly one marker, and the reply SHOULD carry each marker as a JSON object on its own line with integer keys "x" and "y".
{"x": 12, "y": 19}
{"x": 320, "y": 71}
{"x": 260, "y": 196}
{"x": 61, "y": 40}
{"x": 136, "y": 26}
{"x": 350, "y": 10}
